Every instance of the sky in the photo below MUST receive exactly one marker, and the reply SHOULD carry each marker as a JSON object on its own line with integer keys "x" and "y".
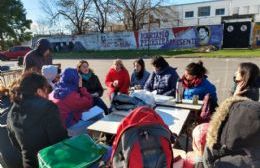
{"x": 35, "y": 13}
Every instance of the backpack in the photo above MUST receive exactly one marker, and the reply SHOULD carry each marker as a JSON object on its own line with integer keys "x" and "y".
{"x": 142, "y": 140}
{"x": 125, "y": 102}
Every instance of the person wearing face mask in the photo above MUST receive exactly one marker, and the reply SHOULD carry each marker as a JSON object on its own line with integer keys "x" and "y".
{"x": 139, "y": 75}
{"x": 33, "y": 121}
{"x": 164, "y": 78}
{"x": 41, "y": 55}
{"x": 247, "y": 81}
{"x": 117, "y": 79}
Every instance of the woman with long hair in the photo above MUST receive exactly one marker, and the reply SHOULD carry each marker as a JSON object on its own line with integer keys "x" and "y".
{"x": 247, "y": 81}
{"x": 33, "y": 121}
{"x": 89, "y": 79}
{"x": 91, "y": 82}
{"x": 139, "y": 75}
{"x": 117, "y": 79}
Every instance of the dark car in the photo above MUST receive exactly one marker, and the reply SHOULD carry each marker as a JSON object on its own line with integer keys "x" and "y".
{"x": 14, "y": 52}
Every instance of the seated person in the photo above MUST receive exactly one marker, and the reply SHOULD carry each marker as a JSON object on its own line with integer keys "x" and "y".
{"x": 90, "y": 79}
{"x": 233, "y": 135}
{"x": 33, "y": 121}
{"x": 91, "y": 82}
{"x": 139, "y": 75}
{"x": 71, "y": 98}
{"x": 164, "y": 78}
{"x": 195, "y": 82}
{"x": 50, "y": 72}
{"x": 117, "y": 79}
{"x": 247, "y": 81}
{"x": 198, "y": 144}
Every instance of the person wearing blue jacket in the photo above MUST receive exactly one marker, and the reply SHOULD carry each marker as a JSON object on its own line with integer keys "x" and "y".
{"x": 139, "y": 75}
{"x": 163, "y": 80}
{"x": 195, "y": 82}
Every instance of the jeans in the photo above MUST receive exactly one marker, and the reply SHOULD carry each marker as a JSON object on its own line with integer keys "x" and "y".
{"x": 100, "y": 103}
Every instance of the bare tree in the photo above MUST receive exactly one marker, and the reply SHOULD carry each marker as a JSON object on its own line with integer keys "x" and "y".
{"x": 75, "y": 11}
{"x": 103, "y": 9}
{"x": 134, "y": 11}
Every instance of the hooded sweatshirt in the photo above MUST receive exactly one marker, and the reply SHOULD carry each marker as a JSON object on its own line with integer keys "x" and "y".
{"x": 71, "y": 100}
{"x": 34, "y": 60}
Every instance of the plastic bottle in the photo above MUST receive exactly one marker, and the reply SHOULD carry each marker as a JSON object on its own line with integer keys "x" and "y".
{"x": 179, "y": 91}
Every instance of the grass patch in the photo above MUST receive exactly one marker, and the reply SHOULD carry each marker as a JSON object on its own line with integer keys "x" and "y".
{"x": 130, "y": 54}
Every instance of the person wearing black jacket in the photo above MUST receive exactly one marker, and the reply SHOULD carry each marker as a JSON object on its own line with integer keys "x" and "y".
{"x": 41, "y": 55}
{"x": 91, "y": 82}
{"x": 33, "y": 121}
{"x": 233, "y": 135}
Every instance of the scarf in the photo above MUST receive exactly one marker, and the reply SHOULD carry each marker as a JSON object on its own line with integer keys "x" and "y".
{"x": 86, "y": 76}
{"x": 191, "y": 83}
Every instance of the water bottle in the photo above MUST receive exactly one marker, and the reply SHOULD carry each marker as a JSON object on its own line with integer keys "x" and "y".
{"x": 179, "y": 91}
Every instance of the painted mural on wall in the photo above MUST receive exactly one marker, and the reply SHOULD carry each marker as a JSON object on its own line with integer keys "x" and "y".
{"x": 115, "y": 41}
{"x": 256, "y": 36}
{"x": 193, "y": 37}
{"x": 155, "y": 39}
{"x": 175, "y": 38}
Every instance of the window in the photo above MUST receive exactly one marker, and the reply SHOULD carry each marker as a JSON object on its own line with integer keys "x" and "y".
{"x": 189, "y": 14}
{"x": 204, "y": 11}
{"x": 220, "y": 11}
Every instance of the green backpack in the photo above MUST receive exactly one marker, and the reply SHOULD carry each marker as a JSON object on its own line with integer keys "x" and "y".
{"x": 76, "y": 152}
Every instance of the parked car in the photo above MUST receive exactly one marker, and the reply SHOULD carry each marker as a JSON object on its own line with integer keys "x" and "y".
{"x": 14, "y": 52}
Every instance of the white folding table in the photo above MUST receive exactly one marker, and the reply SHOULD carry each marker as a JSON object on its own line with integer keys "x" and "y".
{"x": 175, "y": 118}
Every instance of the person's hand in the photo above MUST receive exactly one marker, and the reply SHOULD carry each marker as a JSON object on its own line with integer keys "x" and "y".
{"x": 138, "y": 87}
{"x": 240, "y": 89}
{"x": 115, "y": 83}
{"x": 80, "y": 81}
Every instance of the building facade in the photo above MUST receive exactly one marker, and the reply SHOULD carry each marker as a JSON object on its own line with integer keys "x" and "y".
{"x": 207, "y": 13}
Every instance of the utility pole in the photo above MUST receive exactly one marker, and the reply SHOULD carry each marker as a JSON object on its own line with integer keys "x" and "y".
{"x": 149, "y": 27}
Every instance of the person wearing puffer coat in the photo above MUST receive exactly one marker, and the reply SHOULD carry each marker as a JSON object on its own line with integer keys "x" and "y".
{"x": 233, "y": 135}
{"x": 71, "y": 98}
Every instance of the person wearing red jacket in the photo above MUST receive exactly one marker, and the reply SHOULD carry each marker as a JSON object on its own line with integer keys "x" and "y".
{"x": 71, "y": 98}
{"x": 117, "y": 79}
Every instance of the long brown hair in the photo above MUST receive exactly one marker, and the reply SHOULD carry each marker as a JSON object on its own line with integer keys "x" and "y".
{"x": 28, "y": 85}
{"x": 249, "y": 73}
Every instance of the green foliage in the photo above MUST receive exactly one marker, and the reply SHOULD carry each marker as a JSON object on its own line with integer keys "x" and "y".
{"x": 14, "y": 25}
